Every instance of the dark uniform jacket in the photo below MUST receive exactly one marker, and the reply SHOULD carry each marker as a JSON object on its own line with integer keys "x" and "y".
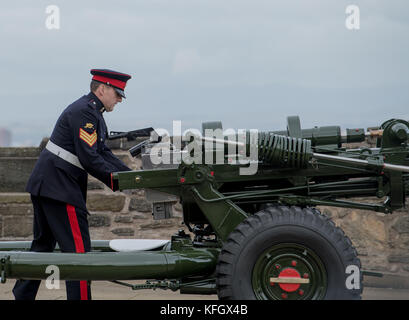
{"x": 81, "y": 130}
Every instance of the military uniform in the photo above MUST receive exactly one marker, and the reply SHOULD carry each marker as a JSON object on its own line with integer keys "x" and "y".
{"x": 58, "y": 183}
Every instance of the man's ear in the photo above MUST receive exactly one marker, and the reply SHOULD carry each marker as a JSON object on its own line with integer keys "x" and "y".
{"x": 102, "y": 89}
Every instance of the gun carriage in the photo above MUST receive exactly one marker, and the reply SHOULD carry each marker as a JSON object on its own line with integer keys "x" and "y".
{"x": 251, "y": 236}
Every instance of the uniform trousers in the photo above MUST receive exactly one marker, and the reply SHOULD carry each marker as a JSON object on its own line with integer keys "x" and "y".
{"x": 62, "y": 223}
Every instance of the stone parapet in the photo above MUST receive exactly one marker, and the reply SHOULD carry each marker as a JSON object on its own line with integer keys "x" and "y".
{"x": 381, "y": 240}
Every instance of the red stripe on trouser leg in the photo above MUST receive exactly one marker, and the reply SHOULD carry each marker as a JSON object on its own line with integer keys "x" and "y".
{"x": 79, "y": 244}
{"x": 83, "y": 290}
{"x": 75, "y": 228}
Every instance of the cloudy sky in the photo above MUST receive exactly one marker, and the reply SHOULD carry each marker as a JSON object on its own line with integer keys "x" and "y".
{"x": 248, "y": 63}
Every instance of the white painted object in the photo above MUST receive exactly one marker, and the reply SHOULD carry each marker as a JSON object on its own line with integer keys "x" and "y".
{"x": 131, "y": 245}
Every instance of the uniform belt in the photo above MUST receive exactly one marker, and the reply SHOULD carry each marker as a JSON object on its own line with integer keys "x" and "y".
{"x": 63, "y": 154}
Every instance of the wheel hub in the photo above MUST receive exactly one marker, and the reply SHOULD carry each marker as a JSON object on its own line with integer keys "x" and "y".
{"x": 289, "y": 271}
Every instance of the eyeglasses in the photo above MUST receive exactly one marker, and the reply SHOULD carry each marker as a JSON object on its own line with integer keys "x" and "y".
{"x": 117, "y": 94}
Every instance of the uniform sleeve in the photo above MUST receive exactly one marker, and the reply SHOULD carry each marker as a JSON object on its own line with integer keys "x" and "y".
{"x": 113, "y": 160}
{"x": 84, "y": 130}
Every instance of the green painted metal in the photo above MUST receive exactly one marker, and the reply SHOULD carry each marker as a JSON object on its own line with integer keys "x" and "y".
{"x": 224, "y": 216}
{"x": 110, "y": 265}
{"x": 314, "y": 170}
{"x": 296, "y": 167}
{"x": 155, "y": 178}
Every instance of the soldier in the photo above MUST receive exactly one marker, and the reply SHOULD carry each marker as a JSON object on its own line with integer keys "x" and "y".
{"x": 58, "y": 183}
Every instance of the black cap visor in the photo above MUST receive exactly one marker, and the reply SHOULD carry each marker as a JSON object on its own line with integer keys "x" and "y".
{"x": 120, "y": 92}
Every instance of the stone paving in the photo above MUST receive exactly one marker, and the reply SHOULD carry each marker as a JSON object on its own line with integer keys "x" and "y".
{"x": 103, "y": 290}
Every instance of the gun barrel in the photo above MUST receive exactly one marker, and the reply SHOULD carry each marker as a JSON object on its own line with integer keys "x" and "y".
{"x": 222, "y": 141}
{"x": 163, "y": 264}
{"x": 395, "y": 167}
{"x": 388, "y": 166}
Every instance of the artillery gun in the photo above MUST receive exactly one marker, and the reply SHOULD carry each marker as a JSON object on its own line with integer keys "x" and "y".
{"x": 253, "y": 235}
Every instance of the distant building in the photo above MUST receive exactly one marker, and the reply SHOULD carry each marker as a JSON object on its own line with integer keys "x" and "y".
{"x": 5, "y": 138}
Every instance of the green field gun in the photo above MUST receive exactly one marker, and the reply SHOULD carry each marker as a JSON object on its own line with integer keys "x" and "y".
{"x": 249, "y": 203}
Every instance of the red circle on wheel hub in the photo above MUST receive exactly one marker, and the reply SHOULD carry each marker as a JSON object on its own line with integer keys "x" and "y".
{"x": 289, "y": 273}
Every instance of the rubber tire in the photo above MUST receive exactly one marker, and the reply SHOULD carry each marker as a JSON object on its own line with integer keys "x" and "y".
{"x": 282, "y": 224}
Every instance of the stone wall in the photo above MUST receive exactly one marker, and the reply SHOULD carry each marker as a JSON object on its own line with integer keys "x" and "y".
{"x": 112, "y": 214}
{"x": 382, "y": 240}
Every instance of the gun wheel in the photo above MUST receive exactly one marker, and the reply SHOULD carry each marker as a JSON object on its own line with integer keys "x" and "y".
{"x": 287, "y": 253}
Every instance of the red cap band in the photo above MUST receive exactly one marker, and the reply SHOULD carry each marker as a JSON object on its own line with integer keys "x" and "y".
{"x": 114, "y": 82}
